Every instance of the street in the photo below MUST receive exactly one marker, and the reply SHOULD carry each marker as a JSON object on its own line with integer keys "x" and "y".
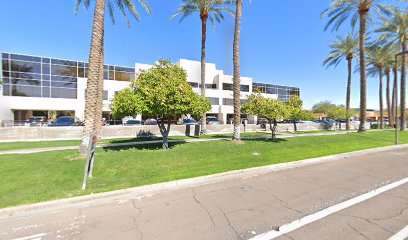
{"x": 244, "y": 208}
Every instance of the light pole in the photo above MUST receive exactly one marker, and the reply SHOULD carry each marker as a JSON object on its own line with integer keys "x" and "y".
{"x": 396, "y": 95}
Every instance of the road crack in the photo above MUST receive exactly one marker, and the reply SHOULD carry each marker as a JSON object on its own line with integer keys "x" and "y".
{"x": 229, "y": 223}
{"x": 357, "y": 231}
{"x": 202, "y": 206}
{"x": 135, "y": 218}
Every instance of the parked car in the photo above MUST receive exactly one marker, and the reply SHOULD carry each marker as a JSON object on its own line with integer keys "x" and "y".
{"x": 133, "y": 122}
{"x": 150, "y": 121}
{"x": 37, "y": 121}
{"x": 127, "y": 118}
{"x": 213, "y": 121}
{"x": 66, "y": 121}
{"x": 189, "y": 121}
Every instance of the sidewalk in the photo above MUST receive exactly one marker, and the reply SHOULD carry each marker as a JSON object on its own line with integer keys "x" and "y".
{"x": 39, "y": 150}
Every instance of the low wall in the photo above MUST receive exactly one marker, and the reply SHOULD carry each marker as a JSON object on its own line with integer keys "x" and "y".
{"x": 50, "y": 133}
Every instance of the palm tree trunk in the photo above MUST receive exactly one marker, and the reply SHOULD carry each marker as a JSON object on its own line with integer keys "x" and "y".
{"x": 95, "y": 57}
{"x": 388, "y": 96}
{"x": 381, "y": 99}
{"x": 394, "y": 102}
{"x": 349, "y": 62}
{"x": 237, "y": 71}
{"x": 99, "y": 99}
{"x": 403, "y": 88}
{"x": 203, "y": 62}
{"x": 363, "y": 75}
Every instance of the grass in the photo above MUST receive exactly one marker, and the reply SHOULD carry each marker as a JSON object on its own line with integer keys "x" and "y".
{"x": 53, "y": 175}
{"x": 7, "y": 146}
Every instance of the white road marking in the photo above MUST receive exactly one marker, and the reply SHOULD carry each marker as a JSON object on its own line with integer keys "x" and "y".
{"x": 284, "y": 229}
{"x": 33, "y": 237}
{"x": 401, "y": 235}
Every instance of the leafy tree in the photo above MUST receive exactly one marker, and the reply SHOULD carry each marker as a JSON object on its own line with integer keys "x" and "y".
{"x": 324, "y": 108}
{"x": 271, "y": 109}
{"x": 395, "y": 29}
{"x": 93, "y": 116}
{"x": 339, "y": 113}
{"x": 126, "y": 103}
{"x": 161, "y": 91}
{"x": 295, "y": 111}
{"x": 207, "y": 9}
{"x": 344, "y": 48}
{"x": 358, "y": 10}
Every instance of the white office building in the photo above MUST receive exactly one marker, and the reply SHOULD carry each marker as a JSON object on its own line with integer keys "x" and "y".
{"x": 37, "y": 86}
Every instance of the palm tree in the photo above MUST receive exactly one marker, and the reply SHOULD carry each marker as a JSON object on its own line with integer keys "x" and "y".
{"x": 344, "y": 48}
{"x": 391, "y": 50}
{"x": 378, "y": 56}
{"x": 207, "y": 9}
{"x": 395, "y": 29}
{"x": 95, "y": 75}
{"x": 357, "y": 10}
{"x": 237, "y": 71}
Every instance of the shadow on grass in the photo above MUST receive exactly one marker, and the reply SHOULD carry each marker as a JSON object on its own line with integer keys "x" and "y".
{"x": 151, "y": 146}
{"x": 267, "y": 140}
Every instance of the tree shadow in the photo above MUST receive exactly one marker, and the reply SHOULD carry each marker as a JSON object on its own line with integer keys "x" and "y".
{"x": 147, "y": 146}
{"x": 267, "y": 140}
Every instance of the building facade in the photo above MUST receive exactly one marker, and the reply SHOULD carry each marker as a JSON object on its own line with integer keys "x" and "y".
{"x": 40, "y": 86}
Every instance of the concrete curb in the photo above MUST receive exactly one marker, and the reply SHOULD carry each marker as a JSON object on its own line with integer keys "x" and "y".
{"x": 124, "y": 195}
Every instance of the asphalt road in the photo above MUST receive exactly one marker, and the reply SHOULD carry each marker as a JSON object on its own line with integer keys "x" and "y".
{"x": 243, "y": 208}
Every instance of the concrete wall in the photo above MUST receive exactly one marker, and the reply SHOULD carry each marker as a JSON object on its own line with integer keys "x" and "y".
{"x": 49, "y": 133}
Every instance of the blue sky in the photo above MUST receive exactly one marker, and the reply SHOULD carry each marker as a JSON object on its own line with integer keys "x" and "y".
{"x": 282, "y": 41}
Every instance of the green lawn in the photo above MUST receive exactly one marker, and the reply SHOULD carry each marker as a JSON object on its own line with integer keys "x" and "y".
{"x": 53, "y": 175}
{"x": 6, "y": 146}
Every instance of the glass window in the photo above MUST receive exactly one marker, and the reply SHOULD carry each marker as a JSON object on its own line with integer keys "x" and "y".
{"x": 64, "y": 79}
{"x": 63, "y": 93}
{"x": 111, "y": 68}
{"x": 25, "y": 58}
{"x": 81, "y": 72}
{"x": 64, "y": 62}
{"x": 46, "y": 83}
{"x": 193, "y": 84}
{"x": 227, "y": 86}
{"x": 26, "y": 91}
{"x": 63, "y": 70}
{"x": 6, "y": 90}
{"x": 105, "y": 95}
{"x": 45, "y": 69}
{"x": 63, "y": 84}
{"x": 112, "y": 75}
{"x": 271, "y": 90}
{"x": 46, "y": 60}
{"x": 105, "y": 74}
{"x": 228, "y": 102}
{"x": 5, "y": 65}
{"x": 6, "y": 74}
{"x": 259, "y": 86}
{"x": 28, "y": 82}
{"x": 123, "y": 76}
{"x": 5, "y": 55}
{"x": 211, "y": 86}
{"x": 6, "y": 80}
{"x": 46, "y": 92}
{"x": 19, "y": 66}
{"x": 244, "y": 88}
{"x": 125, "y": 69}
{"x": 46, "y": 77}
{"x": 25, "y": 75}
{"x": 214, "y": 101}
